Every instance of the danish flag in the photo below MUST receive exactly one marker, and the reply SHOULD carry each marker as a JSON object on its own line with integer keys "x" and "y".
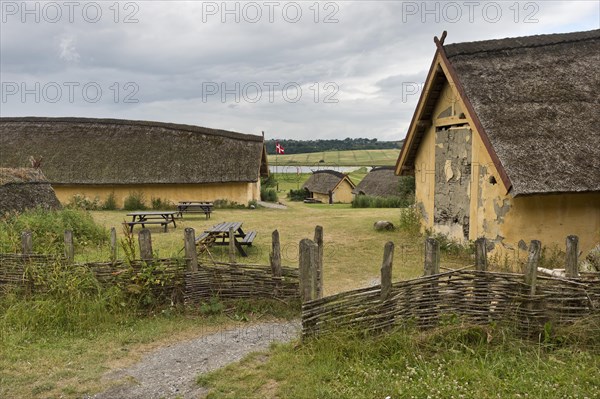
{"x": 279, "y": 148}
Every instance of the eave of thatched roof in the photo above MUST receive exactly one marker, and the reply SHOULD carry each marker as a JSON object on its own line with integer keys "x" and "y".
{"x": 113, "y": 151}
{"x": 323, "y": 181}
{"x": 379, "y": 182}
{"x": 534, "y": 102}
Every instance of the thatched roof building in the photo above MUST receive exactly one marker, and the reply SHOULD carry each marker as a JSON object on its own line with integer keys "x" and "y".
{"x": 25, "y": 188}
{"x": 323, "y": 182}
{"x": 500, "y": 125}
{"x": 381, "y": 181}
{"x": 117, "y": 153}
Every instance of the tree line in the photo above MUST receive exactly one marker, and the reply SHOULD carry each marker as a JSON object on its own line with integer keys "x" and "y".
{"x": 307, "y": 146}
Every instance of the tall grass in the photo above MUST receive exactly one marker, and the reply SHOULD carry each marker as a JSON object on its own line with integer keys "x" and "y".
{"x": 48, "y": 230}
{"x": 135, "y": 201}
{"x": 367, "y": 201}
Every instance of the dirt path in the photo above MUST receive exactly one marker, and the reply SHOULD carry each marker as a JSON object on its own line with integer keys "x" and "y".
{"x": 170, "y": 372}
{"x": 272, "y": 205}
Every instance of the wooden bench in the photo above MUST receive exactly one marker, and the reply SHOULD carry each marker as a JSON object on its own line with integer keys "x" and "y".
{"x": 248, "y": 238}
{"x": 190, "y": 207}
{"x": 163, "y": 223}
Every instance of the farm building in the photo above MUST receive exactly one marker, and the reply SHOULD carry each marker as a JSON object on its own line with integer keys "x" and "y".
{"x": 25, "y": 188}
{"x": 329, "y": 186}
{"x": 97, "y": 157}
{"x": 381, "y": 181}
{"x": 505, "y": 141}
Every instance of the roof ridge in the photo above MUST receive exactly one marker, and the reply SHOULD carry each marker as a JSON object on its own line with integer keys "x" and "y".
{"x": 511, "y": 43}
{"x": 134, "y": 122}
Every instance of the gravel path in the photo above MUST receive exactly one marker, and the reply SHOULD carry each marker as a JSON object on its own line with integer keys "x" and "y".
{"x": 170, "y": 372}
{"x": 272, "y": 205}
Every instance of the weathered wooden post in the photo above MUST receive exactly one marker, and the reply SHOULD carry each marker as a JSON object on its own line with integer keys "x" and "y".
{"x": 113, "y": 244}
{"x": 275, "y": 255}
{"x": 386, "y": 270}
{"x": 532, "y": 264}
{"x": 191, "y": 257}
{"x": 481, "y": 254}
{"x": 432, "y": 257}
{"x": 69, "y": 248}
{"x": 231, "y": 245}
{"x": 26, "y": 243}
{"x": 145, "y": 242}
{"x": 571, "y": 265}
{"x": 307, "y": 261}
{"x": 319, "y": 276}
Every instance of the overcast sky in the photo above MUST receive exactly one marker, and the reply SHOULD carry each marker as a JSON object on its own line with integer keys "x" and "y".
{"x": 301, "y": 70}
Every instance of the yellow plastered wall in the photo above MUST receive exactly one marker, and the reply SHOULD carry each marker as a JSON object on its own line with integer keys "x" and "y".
{"x": 238, "y": 192}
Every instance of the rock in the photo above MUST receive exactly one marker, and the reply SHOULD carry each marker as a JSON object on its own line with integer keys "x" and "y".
{"x": 252, "y": 207}
{"x": 383, "y": 225}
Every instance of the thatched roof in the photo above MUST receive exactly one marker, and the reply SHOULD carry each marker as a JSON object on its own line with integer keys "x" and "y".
{"x": 25, "y": 188}
{"x": 536, "y": 101}
{"x": 379, "y": 182}
{"x": 323, "y": 181}
{"x": 113, "y": 151}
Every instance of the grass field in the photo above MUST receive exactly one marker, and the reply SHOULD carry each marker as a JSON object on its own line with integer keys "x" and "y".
{"x": 340, "y": 158}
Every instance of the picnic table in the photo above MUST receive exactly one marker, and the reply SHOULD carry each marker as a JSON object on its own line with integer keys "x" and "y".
{"x": 194, "y": 207}
{"x": 219, "y": 235}
{"x": 164, "y": 218}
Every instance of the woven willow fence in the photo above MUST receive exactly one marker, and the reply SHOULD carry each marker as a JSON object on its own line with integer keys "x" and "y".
{"x": 181, "y": 279}
{"x": 476, "y": 296}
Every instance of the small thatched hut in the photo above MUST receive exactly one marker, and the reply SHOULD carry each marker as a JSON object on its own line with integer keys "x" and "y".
{"x": 97, "y": 157}
{"x": 329, "y": 186}
{"x": 505, "y": 141}
{"x": 381, "y": 181}
{"x": 25, "y": 188}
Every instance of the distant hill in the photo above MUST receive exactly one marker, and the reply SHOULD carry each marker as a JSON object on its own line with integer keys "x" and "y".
{"x": 310, "y": 146}
{"x": 338, "y": 158}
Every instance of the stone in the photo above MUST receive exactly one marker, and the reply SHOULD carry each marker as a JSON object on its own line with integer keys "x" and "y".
{"x": 383, "y": 225}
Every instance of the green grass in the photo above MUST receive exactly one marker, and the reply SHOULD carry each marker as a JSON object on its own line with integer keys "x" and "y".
{"x": 451, "y": 362}
{"x": 339, "y": 158}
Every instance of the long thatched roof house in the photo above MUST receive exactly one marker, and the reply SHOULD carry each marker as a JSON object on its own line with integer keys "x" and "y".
{"x": 96, "y": 157}
{"x": 25, "y": 188}
{"x": 381, "y": 181}
{"x": 505, "y": 140}
{"x": 329, "y": 186}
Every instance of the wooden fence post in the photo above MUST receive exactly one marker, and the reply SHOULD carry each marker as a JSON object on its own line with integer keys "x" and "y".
{"x": 307, "y": 261}
{"x": 532, "y": 264}
{"x": 571, "y": 266}
{"x": 481, "y": 254}
{"x": 319, "y": 276}
{"x": 432, "y": 257}
{"x": 386, "y": 270}
{"x": 113, "y": 244}
{"x": 69, "y": 248}
{"x": 231, "y": 245}
{"x": 145, "y": 242}
{"x": 191, "y": 257}
{"x": 275, "y": 255}
{"x": 26, "y": 243}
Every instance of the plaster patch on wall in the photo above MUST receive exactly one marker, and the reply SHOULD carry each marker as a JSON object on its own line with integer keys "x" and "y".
{"x": 422, "y": 211}
{"x": 501, "y": 210}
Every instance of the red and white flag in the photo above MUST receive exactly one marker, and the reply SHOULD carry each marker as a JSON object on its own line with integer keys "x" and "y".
{"x": 279, "y": 148}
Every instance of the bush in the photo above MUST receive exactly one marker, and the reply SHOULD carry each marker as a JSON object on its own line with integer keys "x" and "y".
{"x": 269, "y": 182}
{"x": 407, "y": 187}
{"x": 160, "y": 204}
{"x": 297, "y": 195}
{"x": 268, "y": 194}
{"x": 367, "y": 201}
{"x": 410, "y": 221}
{"x": 135, "y": 201}
{"x": 48, "y": 229}
{"x": 110, "y": 204}
{"x": 226, "y": 204}
{"x": 79, "y": 201}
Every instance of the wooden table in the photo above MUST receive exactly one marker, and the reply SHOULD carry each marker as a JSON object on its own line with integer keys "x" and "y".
{"x": 164, "y": 218}
{"x": 219, "y": 235}
{"x": 195, "y": 207}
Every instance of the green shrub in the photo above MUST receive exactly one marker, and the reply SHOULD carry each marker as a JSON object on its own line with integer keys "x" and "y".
{"x": 135, "y": 201}
{"x": 268, "y": 194}
{"x": 110, "y": 204}
{"x": 227, "y": 204}
{"x": 410, "y": 221}
{"x": 452, "y": 246}
{"x": 406, "y": 186}
{"x": 48, "y": 230}
{"x": 367, "y": 201}
{"x": 297, "y": 195}
{"x": 160, "y": 204}
{"x": 269, "y": 182}
{"x": 79, "y": 201}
